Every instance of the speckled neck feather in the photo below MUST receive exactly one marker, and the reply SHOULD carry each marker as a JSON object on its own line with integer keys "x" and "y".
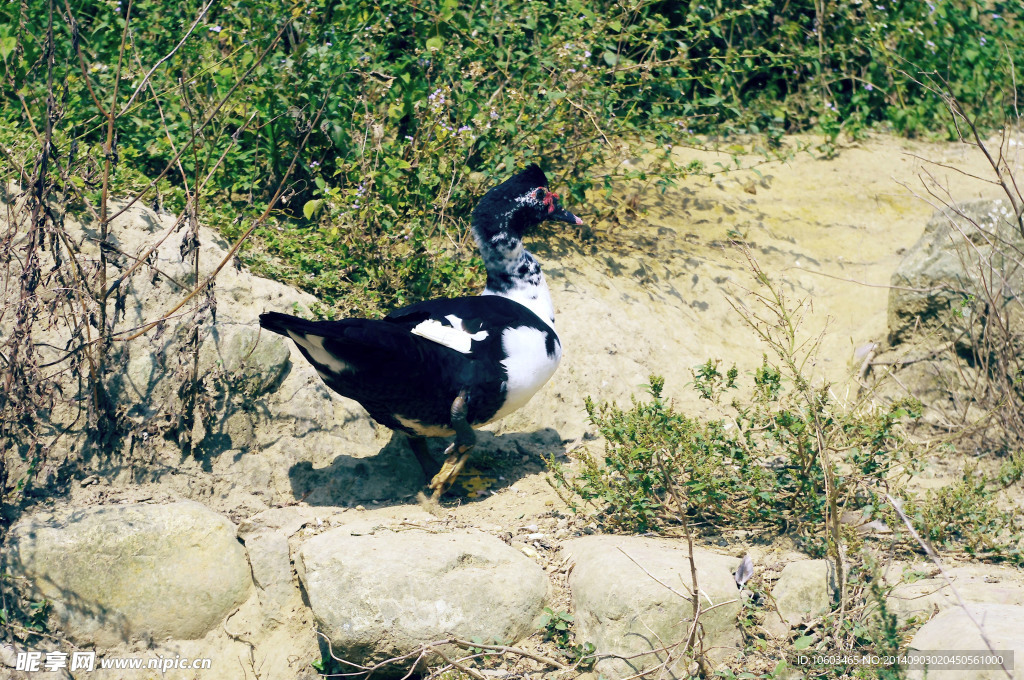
{"x": 500, "y": 219}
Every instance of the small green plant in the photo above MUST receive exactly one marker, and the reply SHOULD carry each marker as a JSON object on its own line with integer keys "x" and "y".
{"x": 39, "y": 613}
{"x": 557, "y": 626}
{"x": 649, "y": 442}
{"x": 24, "y": 617}
{"x": 1012, "y": 470}
{"x": 710, "y": 383}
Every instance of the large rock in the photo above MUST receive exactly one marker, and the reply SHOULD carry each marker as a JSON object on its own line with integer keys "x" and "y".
{"x": 623, "y": 610}
{"x": 206, "y": 382}
{"x": 119, "y": 572}
{"x": 954, "y": 320}
{"x": 963, "y": 252}
{"x": 380, "y": 596}
{"x": 976, "y": 583}
{"x": 803, "y": 592}
{"x": 953, "y": 631}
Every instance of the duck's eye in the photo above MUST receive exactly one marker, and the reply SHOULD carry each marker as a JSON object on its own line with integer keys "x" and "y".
{"x": 538, "y": 193}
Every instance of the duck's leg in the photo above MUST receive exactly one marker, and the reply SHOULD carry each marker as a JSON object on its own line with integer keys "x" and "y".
{"x": 422, "y": 453}
{"x": 458, "y": 452}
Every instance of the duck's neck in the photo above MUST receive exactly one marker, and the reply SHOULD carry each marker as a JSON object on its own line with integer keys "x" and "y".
{"x": 513, "y": 272}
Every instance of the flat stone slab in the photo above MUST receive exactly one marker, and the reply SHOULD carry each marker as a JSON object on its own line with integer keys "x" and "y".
{"x": 953, "y": 632}
{"x": 623, "y": 609}
{"x": 976, "y": 583}
{"x": 118, "y": 572}
{"x": 380, "y": 596}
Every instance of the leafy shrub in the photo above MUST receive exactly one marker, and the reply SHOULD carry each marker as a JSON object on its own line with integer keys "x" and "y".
{"x": 966, "y": 514}
{"x": 757, "y": 467}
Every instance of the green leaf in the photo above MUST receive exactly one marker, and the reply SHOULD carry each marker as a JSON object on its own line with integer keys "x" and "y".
{"x": 803, "y": 642}
{"x": 7, "y": 45}
{"x": 448, "y": 8}
{"x": 610, "y": 58}
{"x": 312, "y": 207}
{"x": 435, "y": 43}
{"x": 615, "y": 25}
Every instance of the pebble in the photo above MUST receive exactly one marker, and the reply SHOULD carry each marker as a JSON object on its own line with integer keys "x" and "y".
{"x": 536, "y": 536}
{"x": 529, "y": 551}
{"x": 8, "y": 655}
{"x": 530, "y": 528}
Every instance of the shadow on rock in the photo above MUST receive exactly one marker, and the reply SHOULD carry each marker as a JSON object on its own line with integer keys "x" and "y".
{"x": 394, "y": 474}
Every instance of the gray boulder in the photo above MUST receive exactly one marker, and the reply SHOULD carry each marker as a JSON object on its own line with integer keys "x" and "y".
{"x": 623, "y": 610}
{"x": 953, "y": 631}
{"x": 120, "y": 572}
{"x": 803, "y": 592}
{"x": 975, "y": 583}
{"x": 380, "y": 596}
{"x": 247, "y": 411}
{"x": 963, "y": 251}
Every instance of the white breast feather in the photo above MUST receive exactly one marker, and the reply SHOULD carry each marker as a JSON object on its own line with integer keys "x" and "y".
{"x": 455, "y": 336}
{"x": 535, "y": 298}
{"x": 528, "y": 365}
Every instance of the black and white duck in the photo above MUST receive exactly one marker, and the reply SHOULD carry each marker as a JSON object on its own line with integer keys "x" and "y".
{"x": 443, "y": 367}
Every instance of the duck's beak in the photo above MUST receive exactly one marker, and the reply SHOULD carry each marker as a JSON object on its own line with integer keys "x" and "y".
{"x": 557, "y": 212}
{"x": 562, "y": 215}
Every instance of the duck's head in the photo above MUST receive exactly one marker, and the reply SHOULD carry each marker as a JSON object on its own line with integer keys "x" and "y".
{"x": 517, "y": 205}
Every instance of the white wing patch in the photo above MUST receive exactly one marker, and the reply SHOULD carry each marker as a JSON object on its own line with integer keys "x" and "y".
{"x": 455, "y": 336}
{"x": 528, "y": 364}
{"x": 314, "y": 344}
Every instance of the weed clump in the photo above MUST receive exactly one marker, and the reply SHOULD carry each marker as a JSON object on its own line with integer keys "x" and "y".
{"x": 756, "y": 467}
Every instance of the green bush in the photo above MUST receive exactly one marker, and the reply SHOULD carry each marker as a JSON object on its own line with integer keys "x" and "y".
{"x": 758, "y": 467}
{"x": 385, "y": 121}
{"x": 966, "y": 514}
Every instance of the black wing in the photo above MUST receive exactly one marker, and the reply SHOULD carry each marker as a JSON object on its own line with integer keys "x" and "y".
{"x": 391, "y": 371}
